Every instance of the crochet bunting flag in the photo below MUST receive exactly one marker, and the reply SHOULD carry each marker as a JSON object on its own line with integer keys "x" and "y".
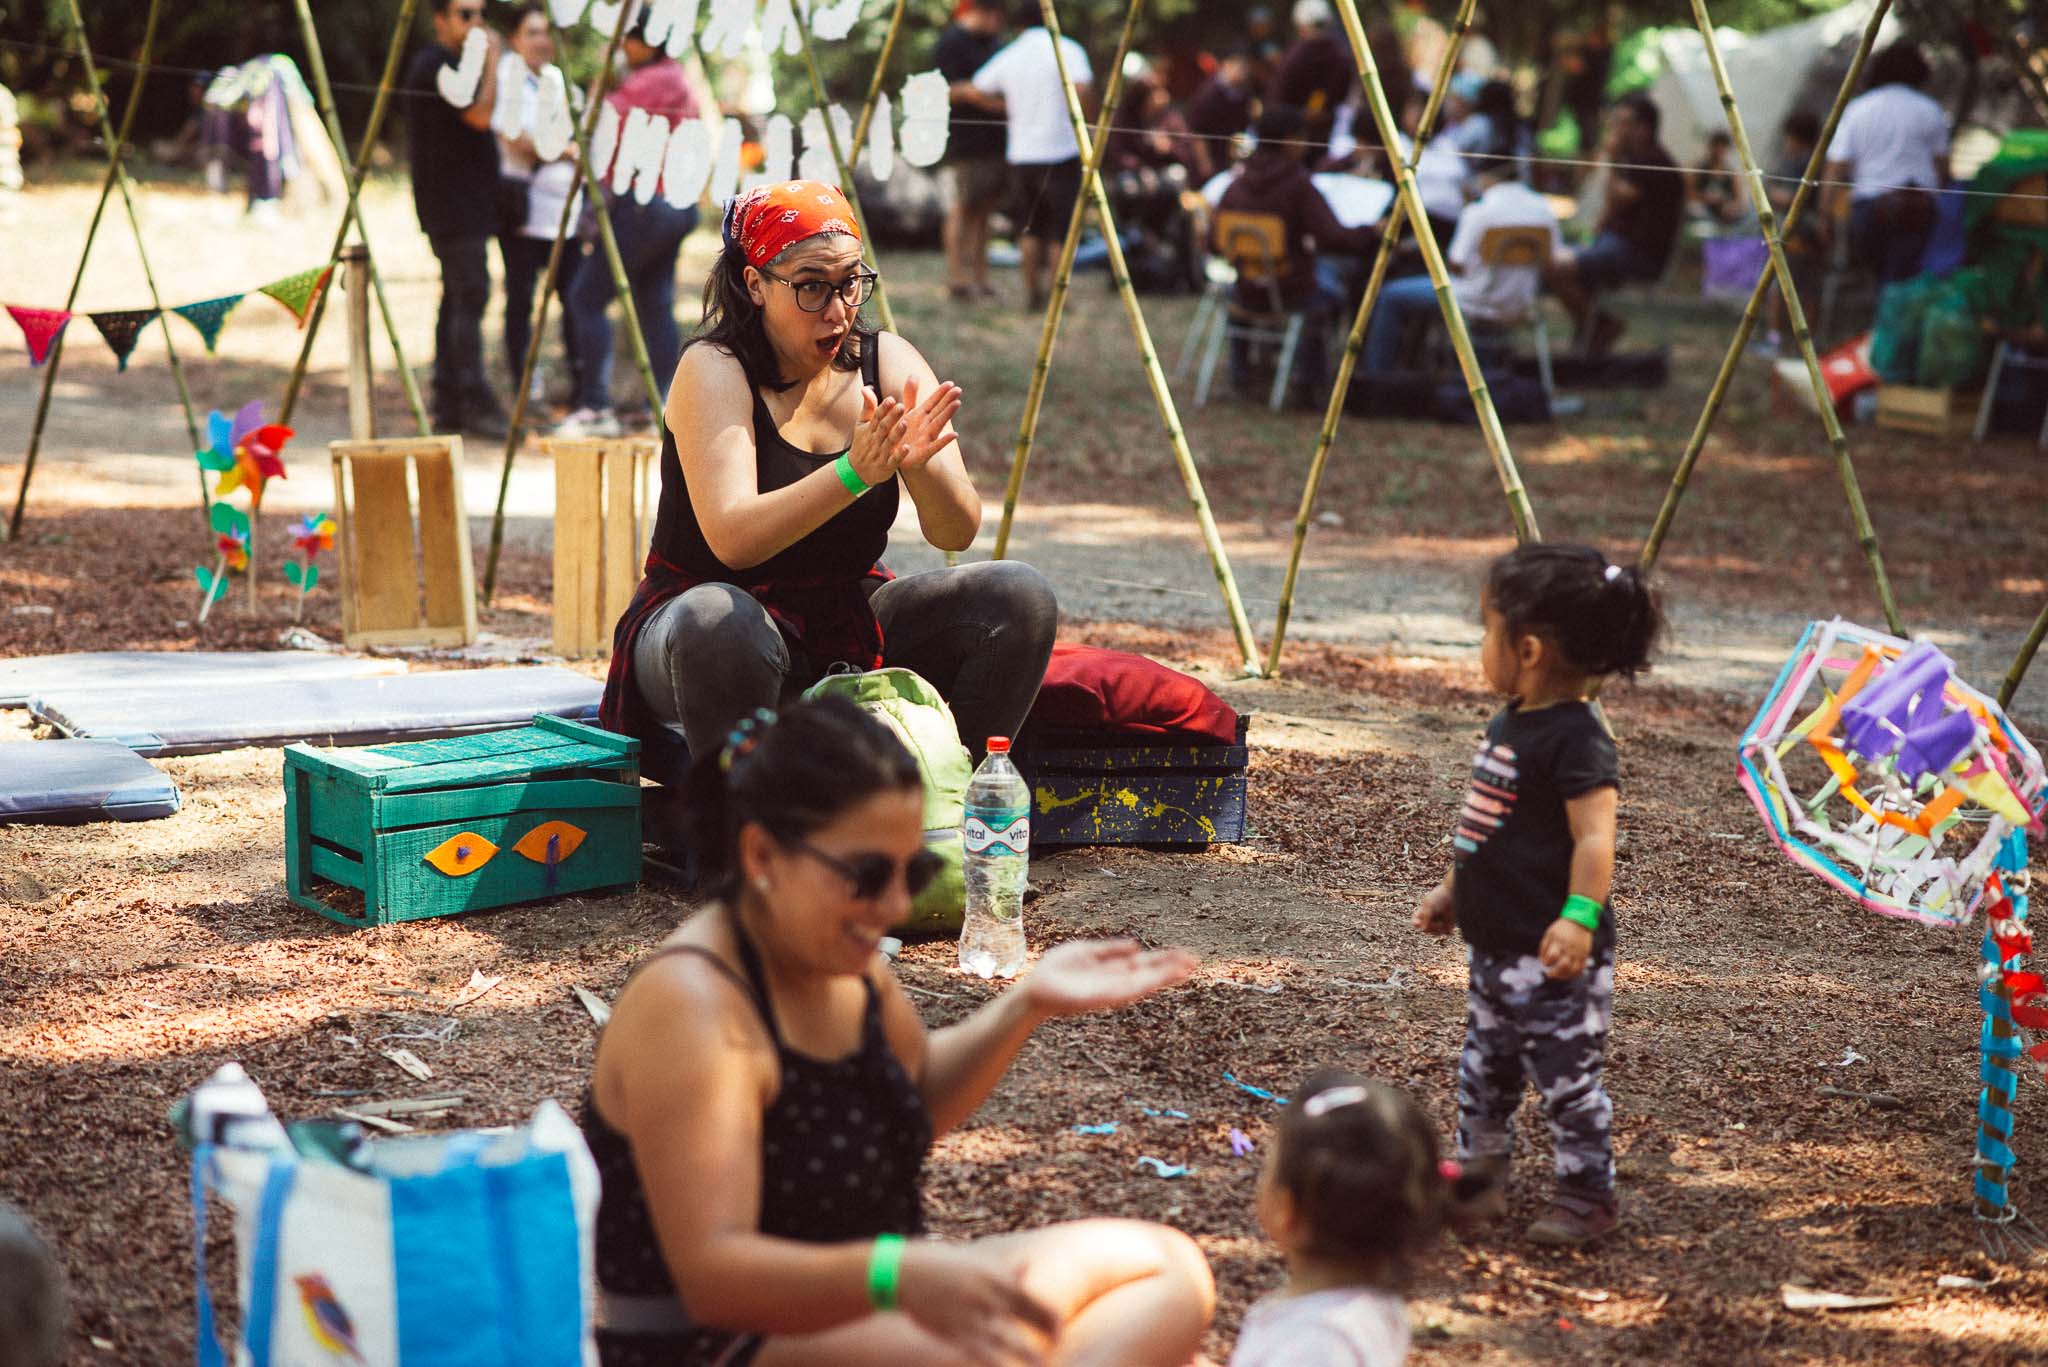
{"x": 40, "y": 328}
{"x": 120, "y": 327}
{"x": 299, "y": 292}
{"x": 208, "y": 315}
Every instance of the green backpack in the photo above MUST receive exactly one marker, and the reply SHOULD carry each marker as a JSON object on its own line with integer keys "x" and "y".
{"x": 913, "y": 709}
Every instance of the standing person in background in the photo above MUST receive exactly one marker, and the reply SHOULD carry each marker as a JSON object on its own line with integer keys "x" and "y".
{"x": 976, "y": 174}
{"x": 533, "y": 191}
{"x": 1224, "y": 107}
{"x": 455, "y": 193}
{"x": 1891, "y": 150}
{"x": 1040, "y": 144}
{"x": 1317, "y": 72}
{"x": 650, "y": 238}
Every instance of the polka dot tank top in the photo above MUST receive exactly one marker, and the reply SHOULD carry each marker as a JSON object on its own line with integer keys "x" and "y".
{"x": 842, "y": 1159}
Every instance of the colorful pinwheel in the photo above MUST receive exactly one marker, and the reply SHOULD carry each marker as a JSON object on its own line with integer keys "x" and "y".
{"x": 312, "y": 534}
{"x": 245, "y": 452}
{"x": 231, "y": 548}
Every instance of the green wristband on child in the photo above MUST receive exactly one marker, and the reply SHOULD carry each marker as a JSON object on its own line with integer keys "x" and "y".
{"x": 885, "y": 1271}
{"x": 850, "y": 477}
{"x": 1581, "y": 911}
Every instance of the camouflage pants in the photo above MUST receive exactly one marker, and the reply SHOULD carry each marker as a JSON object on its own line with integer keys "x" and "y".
{"x": 1522, "y": 1027}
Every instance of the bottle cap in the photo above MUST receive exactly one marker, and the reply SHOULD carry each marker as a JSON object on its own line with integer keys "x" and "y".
{"x": 999, "y": 745}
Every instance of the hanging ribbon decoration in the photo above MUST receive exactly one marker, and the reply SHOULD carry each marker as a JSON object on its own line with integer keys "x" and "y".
{"x": 298, "y": 292}
{"x": 120, "y": 327}
{"x": 40, "y": 328}
{"x": 208, "y": 315}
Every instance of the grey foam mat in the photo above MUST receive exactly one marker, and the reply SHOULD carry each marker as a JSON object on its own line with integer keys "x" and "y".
{"x": 24, "y": 678}
{"x": 321, "y": 711}
{"x": 68, "y": 782}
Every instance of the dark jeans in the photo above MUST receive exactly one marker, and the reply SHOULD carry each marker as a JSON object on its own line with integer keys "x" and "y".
{"x": 459, "y": 383}
{"x": 650, "y": 237}
{"x": 525, "y": 258}
{"x": 1888, "y": 233}
{"x": 981, "y": 634}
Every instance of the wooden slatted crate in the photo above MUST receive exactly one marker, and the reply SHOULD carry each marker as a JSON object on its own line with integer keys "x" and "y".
{"x": 604, "y": 518}
{"x": 432, "y": 828}
{"x": 1111, "y": 788}
{"x": 1930, "y": 412}
{"x": 401, "y": 584}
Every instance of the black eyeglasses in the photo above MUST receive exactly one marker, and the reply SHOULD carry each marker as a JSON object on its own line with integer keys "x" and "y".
{"x": 870, "y": 873}
{"x": 813, "y": 296}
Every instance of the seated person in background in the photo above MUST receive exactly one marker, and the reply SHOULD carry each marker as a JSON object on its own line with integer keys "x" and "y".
{"x": 1485, "y": 294}
{"x": 1638, "y": 224}
{"x": 1441, "y": 175}
{"x": 1318, "y": 70}
{"x": 1713, "y": 188}
{"x": 1463, "y": 126}
{"x": 1275, "y": 180}
{"x": 1805, "y": 244}
{"x": 1889, "y": 156}
{"x": 1222, "y": 109}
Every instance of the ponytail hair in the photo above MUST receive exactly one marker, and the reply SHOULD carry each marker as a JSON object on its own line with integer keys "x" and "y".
{"x": 1361, "y": 1163}
{"x": 1603, "y": 618}
{"x": 791, "y": 775}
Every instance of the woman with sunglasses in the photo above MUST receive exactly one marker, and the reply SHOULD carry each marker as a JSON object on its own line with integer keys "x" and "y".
{"x": 764, "y": 1096}
{"x": 792, "y": 434}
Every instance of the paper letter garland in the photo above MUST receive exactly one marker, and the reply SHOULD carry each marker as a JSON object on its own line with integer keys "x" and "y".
{"x": 927, "y": 112}
{"x": 40, "y": 328}
{"x": 833, "y": 21}
{"x": 458, "y": 83}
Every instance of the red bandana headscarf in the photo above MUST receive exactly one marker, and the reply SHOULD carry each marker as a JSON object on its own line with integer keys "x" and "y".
{"x": 767, "y": 221}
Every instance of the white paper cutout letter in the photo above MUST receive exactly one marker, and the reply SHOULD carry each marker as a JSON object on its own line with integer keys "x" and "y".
{"x": 816, "y": 161}
{"x": 643, "y": 147}
{"x": 552, "y": 127}
{"x": 731, "y": 22}
{"x": 926, "y": 111}
{"x": 604, "y": 140}
{"x": 672, "y": 23}
{"x": 778, "y": 149}
{"x": 604, "y": 16}
{"x": 778, "y": 28}
{"x": 458, "y": 83}
{"x": 834, "y": 20}
{"x": 508, "y": 115}
{"x": 725, "y": 167}
{"x": 566, "y": 12}
{"x": 688, "y": 164}
{"x": 881, "y": 149}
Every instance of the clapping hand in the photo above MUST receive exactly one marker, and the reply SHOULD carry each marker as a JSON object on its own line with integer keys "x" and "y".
{"x": 926, "y": 433}
{"x": 1082, "y": 976}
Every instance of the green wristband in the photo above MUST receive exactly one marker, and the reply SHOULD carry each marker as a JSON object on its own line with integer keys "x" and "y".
{"x": 1581, "y": 911}
{"x": 885, "y": 1269}
{"x": 850, "y": 477}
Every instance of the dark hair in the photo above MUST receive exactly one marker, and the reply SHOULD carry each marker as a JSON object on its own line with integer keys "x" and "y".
{"x": 1280, "y": 123}
{"x": 1363, "y": 1173}
{"x": 1026, "y": 14}
{"x": 791, "y": 776}
{"x": 1720, "y": 137}
{"x": 1604, "y": 619}
{"x": 1900, "y": 64}
{"x": 441, "y": 6}
{"x": 1803, "y": 124}
{"x": 1644, "y": 108}
{"x": 1001, "y": 7}
{"x": 732, "y": 322}
{"x": 1497, "y": 101}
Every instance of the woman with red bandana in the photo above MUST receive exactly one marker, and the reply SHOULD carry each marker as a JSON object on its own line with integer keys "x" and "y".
{"x": 792, "y": 433}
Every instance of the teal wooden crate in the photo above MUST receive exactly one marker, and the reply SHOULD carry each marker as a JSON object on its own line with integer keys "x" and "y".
{"x": 1112, "y": 788}
{"x": 438, "y": 827}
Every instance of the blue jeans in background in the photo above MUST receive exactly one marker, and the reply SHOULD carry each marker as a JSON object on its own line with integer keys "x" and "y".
{"x": 1400, "y": 303}
{"x": 650, "y": 238}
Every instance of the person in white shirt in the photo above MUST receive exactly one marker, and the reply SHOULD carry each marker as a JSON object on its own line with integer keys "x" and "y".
{"x": 1485, "y": 294}
{"x": 532, "y": 192}
{"x": 1891, "y": 152}
{"x": 1044, "y": 155}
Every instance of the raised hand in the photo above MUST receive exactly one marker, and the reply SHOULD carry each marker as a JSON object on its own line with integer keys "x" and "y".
{"x": 879, "y": 438}
{"x": 1081, "y": 976}
{"x": 926, "y": 434}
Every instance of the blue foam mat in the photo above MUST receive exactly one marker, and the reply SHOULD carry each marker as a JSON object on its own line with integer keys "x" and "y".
{"x": 320, "y": 711}
{"x": 68, "y": 782}
{"x": 30, "y": 675}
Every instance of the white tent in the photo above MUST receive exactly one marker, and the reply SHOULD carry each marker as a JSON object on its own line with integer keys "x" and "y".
{"x": 1769, "y": 72}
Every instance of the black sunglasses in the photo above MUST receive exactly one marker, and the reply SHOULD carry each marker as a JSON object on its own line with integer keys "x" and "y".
{"x": 815, "y": 296}
{"x": 870, "y": 873}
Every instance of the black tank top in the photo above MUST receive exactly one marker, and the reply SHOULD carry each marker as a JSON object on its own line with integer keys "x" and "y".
{"x": 849, "y": 544}
{"x": 843, "y": 1146}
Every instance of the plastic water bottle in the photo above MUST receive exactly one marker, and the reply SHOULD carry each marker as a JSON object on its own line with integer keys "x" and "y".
{"x": 996, "y": 834}
{"x": 228, "y": 1110}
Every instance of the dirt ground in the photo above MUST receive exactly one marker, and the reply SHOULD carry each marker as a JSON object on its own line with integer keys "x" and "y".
{"x": 135, "y": 959}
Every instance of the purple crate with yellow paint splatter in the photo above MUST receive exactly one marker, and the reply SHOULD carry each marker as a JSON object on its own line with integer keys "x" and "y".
{"x": 1120, "y": 788}
{"x": 432, "y": 828}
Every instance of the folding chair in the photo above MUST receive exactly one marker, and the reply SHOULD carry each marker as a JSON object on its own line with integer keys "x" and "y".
{"x": 2024, "y": 208}
{"x": 1220, "y": 282}
{"x": 1521, "y": 249}
{"x": 1255, "y": 246}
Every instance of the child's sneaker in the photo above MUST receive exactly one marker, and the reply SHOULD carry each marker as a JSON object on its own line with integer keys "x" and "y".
{"x": 1573, "y": 1220}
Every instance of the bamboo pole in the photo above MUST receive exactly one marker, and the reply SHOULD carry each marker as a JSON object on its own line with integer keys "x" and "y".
{"x": 399, "y": 33}
{"x": 1838, "y": 441}
{"x": 2021, "y": 661}
{"x": 867, "y": 109}
{"x": 1354, "y": 345}
{"x": 56, "y": 356}
{"x": 839, "y": 158}
{"x": 1653, "y": 544}
{"x": 1183, "y": 457}
{"x": 1062, "y": 282}
{"x": 587, "y": 183}
{"x": 317, "y": 60}
{"x": 1432, "y": 256}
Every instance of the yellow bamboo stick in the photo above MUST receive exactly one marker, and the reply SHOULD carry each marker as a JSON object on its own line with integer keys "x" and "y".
{"x": 1354, "y": 345}
{"x": 1183, "y": 457}
{"x": 1838, "y": 441}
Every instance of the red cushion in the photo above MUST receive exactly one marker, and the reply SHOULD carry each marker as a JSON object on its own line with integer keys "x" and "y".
{"x": 1090, "y": 689}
